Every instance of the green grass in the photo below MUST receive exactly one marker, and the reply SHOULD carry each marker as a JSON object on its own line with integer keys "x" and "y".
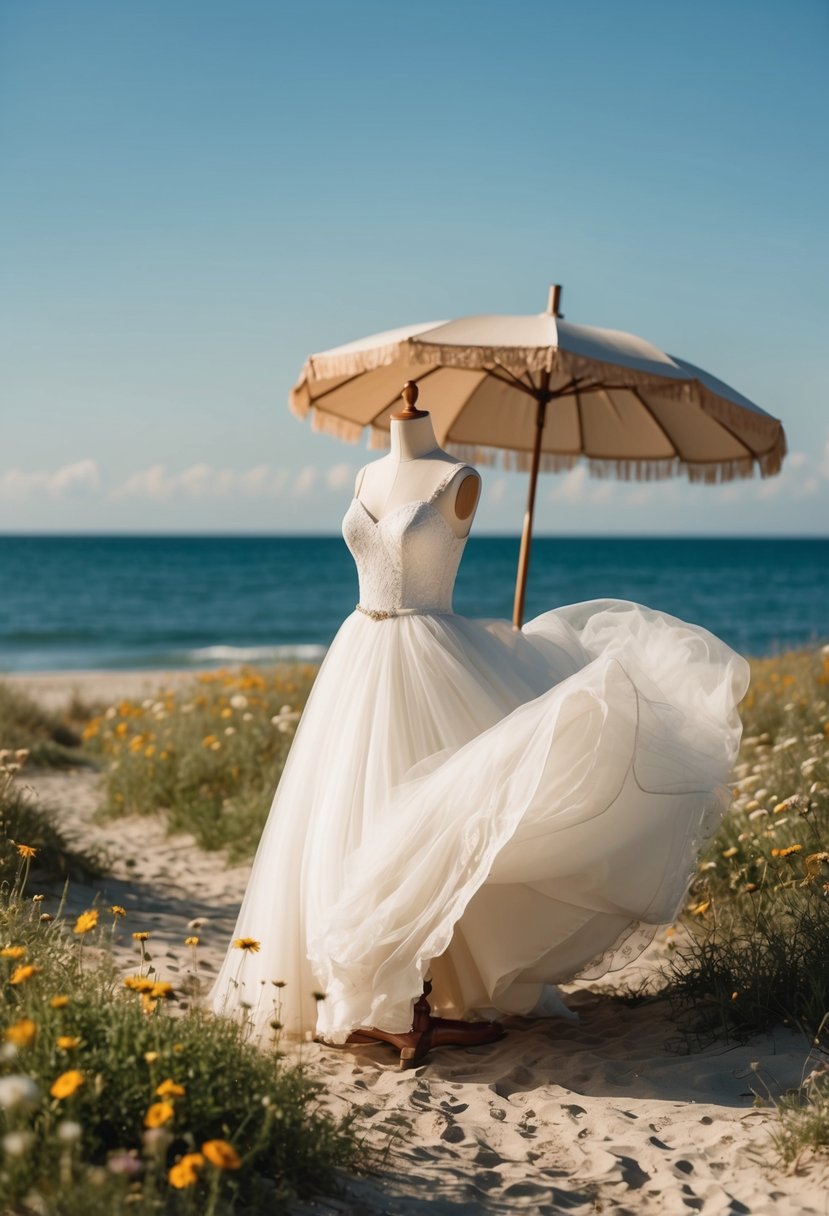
{"x": 92, "y": 1150}
{"x": 53, "y": 740}
{"x": 756, "y": 951}
{"x": 23, "y": 822}
{"x": 208, "y": 755}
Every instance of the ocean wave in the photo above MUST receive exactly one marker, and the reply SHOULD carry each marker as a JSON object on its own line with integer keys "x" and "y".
{"x": 305, "y": 652}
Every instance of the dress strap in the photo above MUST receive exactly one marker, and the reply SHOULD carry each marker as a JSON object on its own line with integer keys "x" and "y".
{"x": 447, "y": 477}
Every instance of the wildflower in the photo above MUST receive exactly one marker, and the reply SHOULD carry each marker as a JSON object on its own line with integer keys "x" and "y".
{"x": 21, "y": 1033}
{"x": 239, "y": 701}
{"x": 46, "y": 918}
{"x": 18, "y": 1091}
{"x": 734, "y": 995}
{"x": 69, "y": 1132}
{"x": 86, "y": 921}
{"x": 117, "y": 910}
{"x": 17, "y": 1144}
{"x": 185, "y": 1172}
{"x": 170, "y": 1089}
{"x": 161, "y": 988}
{"x": 59, "y": 1002}
{"x": 151, "y": 1056}
{"x": 732, "y": 852}
{"x": 67, "y": 1042}
{"x": 21, "y": 974}
{"x": 158, "y": 1114}
{"x": 67, "y": 1084}
{"x": 702, "y": 908}
{"x": 191, "y": 941}
{"x": 148, "y": 1005}
{"x": 138, "y": 983}
{"x": 38, "y": 899}
{"x": 143, "y": 936}
{"x": 209, "y": 740}
{"x": 197, "y": 922}
{"x": 787, "y": 852}
{"x": 15, "y": 952}
{"x": 221, "y": 1154}
{"x": 247, "y": 943}
{"x": 26, "y": 850}
{"x": 127, "y": 1165}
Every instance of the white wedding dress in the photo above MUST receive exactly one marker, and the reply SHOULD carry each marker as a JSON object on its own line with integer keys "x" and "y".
{"x": 501, "y": 810}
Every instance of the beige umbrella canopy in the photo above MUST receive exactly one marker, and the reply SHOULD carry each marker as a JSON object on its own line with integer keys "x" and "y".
{"x": 537, "y": 392}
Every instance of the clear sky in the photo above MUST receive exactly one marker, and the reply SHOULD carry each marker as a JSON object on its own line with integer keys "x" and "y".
{"x": 196, "y": 195}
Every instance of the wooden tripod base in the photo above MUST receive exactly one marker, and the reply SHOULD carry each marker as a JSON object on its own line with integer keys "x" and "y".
{"x": 428, "y": 1031}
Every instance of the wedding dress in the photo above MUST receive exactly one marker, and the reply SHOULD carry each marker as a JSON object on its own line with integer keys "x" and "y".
{"x": 501, "y": 810}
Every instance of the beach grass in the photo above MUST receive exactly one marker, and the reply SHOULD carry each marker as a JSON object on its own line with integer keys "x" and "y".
{"x": 117, "y": 1095}
{"x": 52, "y": 740}
{"x": 208, "y": 755}
{"x": 754, "y": 953}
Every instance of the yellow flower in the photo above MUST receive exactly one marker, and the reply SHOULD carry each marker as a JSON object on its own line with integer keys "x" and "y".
{"x": 734, "y": 995}
{"x": 117, "y": 910}
{"x": 21, "y": 974}
{"x": 138, "y": 983}
{"x": 161, "y": 988}
{"x": 149, "y": 751}
{"x": 141, "y": 937}
{"x": 66, "y": 1042}
{"x": 702, "y": 908}
{"x": 147, "y": 1003}
{"x": 15, "y": 952}
{"x": 191, "y": 941}
{"x": 159, "y": 1114}
{"x": 67, "y": 1084}
{"x": 247, "y": 943}
{"x": 209, "y": 740}
{"x": 22, "y": 1033}
{"x": 170, "y": 1089}
{"x": 732, "y": 852}
{"x": 221, "y": 1154}
{"x": 86, "y": 921}
{"x": 151, "y": 1056}
{"x": 185, "y": 1172}
{"x": 787, "y": 852}
{"x": 26, "y": 850}
{"x": 59, "y": 1002}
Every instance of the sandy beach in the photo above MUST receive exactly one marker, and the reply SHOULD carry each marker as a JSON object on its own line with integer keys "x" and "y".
{"x": 605, "y": 1114}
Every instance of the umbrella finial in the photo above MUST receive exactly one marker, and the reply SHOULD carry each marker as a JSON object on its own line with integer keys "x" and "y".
{"x": 410, "y": 395}
{"x": 554, "y": 299}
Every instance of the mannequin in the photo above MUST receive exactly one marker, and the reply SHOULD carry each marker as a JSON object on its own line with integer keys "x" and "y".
{"x": 410, "y": 473}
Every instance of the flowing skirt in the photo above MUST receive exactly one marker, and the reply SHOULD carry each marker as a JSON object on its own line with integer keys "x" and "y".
{"x": 500, "y": 810}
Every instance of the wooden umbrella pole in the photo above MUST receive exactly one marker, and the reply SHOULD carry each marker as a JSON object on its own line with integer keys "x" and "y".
{"x": 526, "y": 534}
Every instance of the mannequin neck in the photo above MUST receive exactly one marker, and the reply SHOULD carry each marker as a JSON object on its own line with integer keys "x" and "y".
{"x": 412, "y": 438}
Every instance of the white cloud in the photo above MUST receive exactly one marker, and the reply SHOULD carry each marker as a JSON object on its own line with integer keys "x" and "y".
{"x": 572, "y": 486}
{"x": 339, "y": 476}
{"x": 83, "y": 475}
{"x": 796, "y": 459}
{"x": 203, "y": 481}
{"x": 304, "y": 480}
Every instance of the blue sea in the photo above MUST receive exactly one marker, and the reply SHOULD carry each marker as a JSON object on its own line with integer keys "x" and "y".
{"x": 82, "y": 602}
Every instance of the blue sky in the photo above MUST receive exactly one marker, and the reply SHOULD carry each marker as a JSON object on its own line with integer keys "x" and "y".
{"x": 197, "y": 195}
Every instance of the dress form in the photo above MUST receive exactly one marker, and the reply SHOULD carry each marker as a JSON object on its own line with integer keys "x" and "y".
{"x": 413, "y": 468}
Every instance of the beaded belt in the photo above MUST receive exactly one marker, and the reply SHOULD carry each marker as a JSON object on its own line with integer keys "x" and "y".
{"x": 378, "y": 614}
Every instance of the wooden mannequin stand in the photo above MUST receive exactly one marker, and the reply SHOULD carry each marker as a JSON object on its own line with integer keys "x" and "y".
{"x": 428, "y": 1031}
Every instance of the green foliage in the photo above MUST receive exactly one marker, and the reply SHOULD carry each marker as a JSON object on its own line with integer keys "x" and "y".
{"x": 755, "y": 951}
{"x": 53, "y": 740}
{"x": 209, "y": 754}
{"x": 97, "y": 1144}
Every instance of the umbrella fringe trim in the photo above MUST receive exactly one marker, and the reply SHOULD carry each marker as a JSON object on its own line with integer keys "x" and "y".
{"x": 529, "y": 359}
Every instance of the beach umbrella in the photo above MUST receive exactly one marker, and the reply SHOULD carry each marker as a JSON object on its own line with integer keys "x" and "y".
{"x": 539, "y": 393}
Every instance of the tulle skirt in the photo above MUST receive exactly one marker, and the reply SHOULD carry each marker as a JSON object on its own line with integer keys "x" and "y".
{"x": 498, "y": 810}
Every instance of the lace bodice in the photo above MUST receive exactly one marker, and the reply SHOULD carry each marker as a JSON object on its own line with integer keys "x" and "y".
{"x": 407, "y": 560}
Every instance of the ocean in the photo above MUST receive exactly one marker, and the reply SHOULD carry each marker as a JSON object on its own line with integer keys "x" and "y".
{"x": 108, "y": 602}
